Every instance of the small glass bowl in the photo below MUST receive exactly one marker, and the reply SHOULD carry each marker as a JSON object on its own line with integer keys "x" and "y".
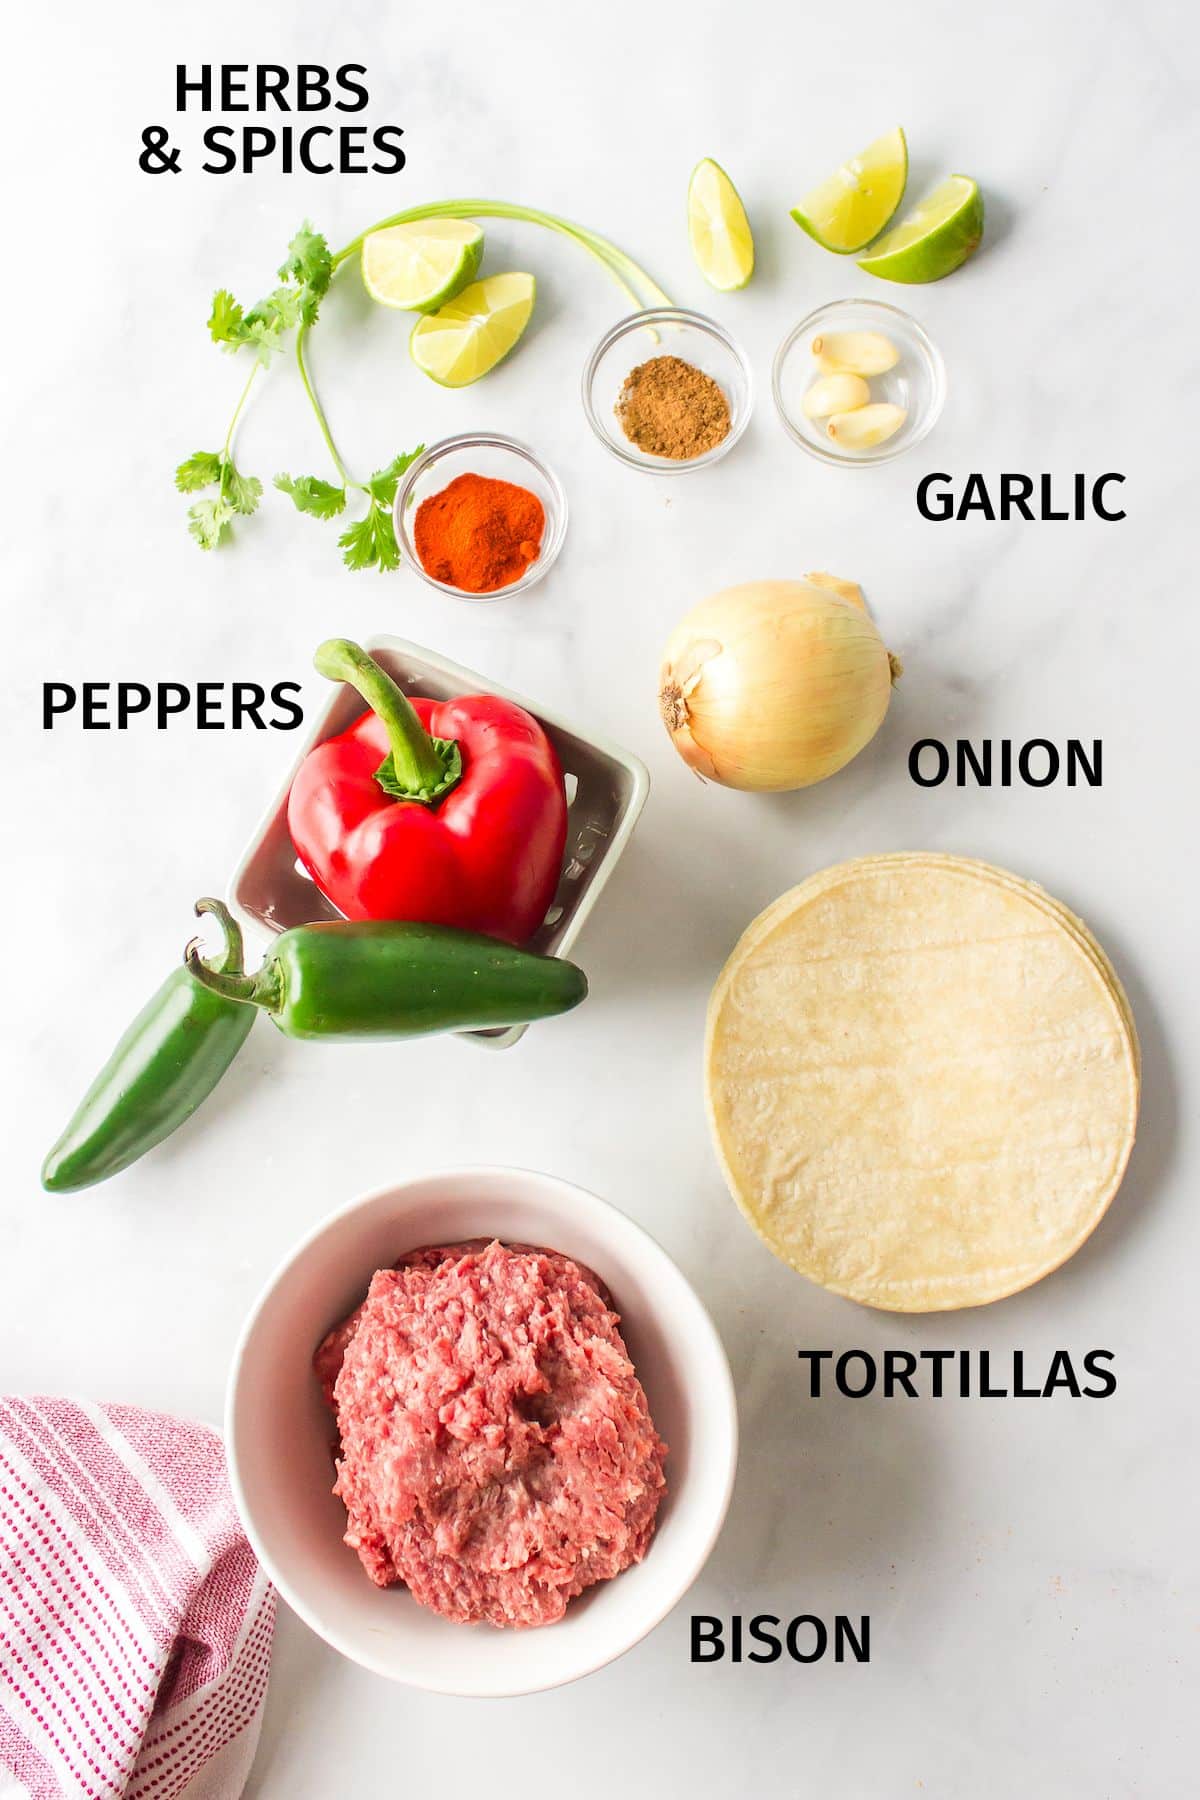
{"x": 665, "y": 331}
{"x": 918, "y": 381}
{"x": 481, "y": 453}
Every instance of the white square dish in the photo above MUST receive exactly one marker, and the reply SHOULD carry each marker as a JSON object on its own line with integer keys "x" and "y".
{"x": 606, "y": 791}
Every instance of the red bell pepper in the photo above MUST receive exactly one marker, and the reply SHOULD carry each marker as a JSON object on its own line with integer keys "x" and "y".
{"x": 448, "y": 812}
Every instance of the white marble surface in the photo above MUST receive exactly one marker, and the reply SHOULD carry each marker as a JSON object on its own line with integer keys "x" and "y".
{"x": 1030, "y": 1569}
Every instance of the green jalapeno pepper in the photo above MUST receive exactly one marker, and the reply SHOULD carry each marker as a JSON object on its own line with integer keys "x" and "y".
{"x": 170, "y": 1059}
{"x": 396, "y": 979}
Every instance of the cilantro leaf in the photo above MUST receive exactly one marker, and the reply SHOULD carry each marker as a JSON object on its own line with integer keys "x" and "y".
{"x": 309, "y": 264}
{"x": 305, "y": 274}
{"x": 371, "y": 541}
{"x": 226, "y": 322}
{"x": 200, "y": 470}
{"x": 279, "y": 311}
{"x": 208, "y": 522}
{"x": 310, "y": 495}
{"x": 243, "y": 492}
{"x": 267, "y": 321}
{"x": 384, "y": 482}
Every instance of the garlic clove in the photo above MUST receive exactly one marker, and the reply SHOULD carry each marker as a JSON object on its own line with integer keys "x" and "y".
{"x": 835, "y": 394}
{"x": 868, "y": 426}
{"x": 855, "y": 353}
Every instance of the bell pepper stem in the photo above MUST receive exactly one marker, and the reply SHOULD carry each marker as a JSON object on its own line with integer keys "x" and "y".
{"x": 420, "y": 767}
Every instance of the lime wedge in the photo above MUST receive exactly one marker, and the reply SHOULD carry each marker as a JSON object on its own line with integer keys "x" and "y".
{"x": 935, "y": 237}
{"x": 718, "y": 228}
{"x": 418, "y": 267}
{"x": 474, "y": 331}
{"x": 855, "y": 204}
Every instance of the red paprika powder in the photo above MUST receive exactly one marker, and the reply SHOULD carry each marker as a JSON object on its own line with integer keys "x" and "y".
{"x": 479, "y": 534}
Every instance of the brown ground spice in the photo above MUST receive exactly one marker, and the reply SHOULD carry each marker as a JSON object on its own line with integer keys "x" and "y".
{"x": 668, "y": 407}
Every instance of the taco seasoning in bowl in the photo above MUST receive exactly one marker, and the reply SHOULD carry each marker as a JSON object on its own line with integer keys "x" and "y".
{"x": 668, "y": 407}
{"x": 668, "y": 391}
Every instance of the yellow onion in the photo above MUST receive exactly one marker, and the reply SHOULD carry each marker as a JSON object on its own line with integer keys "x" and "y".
{"x": 775, "y": 684}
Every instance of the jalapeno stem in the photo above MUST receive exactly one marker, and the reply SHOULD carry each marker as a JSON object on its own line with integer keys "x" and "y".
{"x": 228, "y": 960}
{"x": 419, "y": 767}
{"x": 260, "y": 989}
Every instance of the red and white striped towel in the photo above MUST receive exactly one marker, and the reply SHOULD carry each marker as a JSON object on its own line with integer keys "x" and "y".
{"x": 135, "y": 1624}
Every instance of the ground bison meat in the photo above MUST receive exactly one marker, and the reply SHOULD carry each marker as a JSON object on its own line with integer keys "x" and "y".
{"x": 497, "y": 1453}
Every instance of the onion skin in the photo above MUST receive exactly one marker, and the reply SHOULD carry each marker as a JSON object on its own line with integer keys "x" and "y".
{"x": 775, "y": 685}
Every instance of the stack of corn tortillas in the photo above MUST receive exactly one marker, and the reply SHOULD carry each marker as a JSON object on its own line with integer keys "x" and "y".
{"x": 922, "y": 1078}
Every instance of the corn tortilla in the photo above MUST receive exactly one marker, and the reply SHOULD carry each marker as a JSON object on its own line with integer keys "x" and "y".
{"x": 984, "y": 872}
{"x": 922, "y": 1079}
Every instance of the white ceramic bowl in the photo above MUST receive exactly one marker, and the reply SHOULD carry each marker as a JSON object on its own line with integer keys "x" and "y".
{"x": 279, "y": 1432}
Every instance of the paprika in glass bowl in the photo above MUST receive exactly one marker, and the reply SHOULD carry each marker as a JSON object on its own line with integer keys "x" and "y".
{"x": 491, "y": 503}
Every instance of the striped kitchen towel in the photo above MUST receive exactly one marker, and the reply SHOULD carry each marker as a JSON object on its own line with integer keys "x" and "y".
{"x": 135, "y": 1625}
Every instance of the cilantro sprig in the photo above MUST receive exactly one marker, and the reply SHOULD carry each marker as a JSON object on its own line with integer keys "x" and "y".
{"x": 370, "y": 542}
{"x": 304, "y": 277}
{"x": 209, "y": 520}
